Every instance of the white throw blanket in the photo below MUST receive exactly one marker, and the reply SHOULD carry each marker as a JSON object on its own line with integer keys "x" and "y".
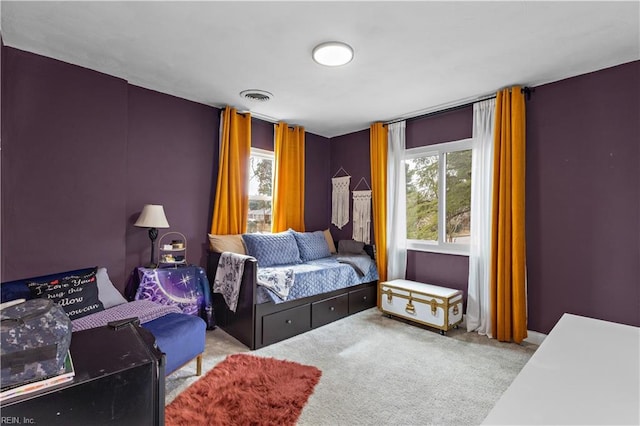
{"x": 340, "y": 201}
{"x": 278, "y": 280}
{"x": 229, "y": 276}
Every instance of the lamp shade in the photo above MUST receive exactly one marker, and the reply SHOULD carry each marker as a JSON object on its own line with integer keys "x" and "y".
{"x": 152, "y": 216}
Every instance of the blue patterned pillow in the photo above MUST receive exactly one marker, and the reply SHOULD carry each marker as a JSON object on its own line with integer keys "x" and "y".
{"x": 312, "y": 245}
{"x": 272, "y": 249}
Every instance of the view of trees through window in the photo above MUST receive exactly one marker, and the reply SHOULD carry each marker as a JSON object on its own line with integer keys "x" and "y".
{"x": 260, "y": 192}
{"x": 423, "y": 196}
{"x": 458, "y": 212}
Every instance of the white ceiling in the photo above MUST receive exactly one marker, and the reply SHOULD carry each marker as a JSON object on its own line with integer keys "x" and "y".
{"x": 410, "y": 57}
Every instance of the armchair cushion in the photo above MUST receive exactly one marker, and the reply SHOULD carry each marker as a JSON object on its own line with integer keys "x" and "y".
{"x": 181, "y": 337}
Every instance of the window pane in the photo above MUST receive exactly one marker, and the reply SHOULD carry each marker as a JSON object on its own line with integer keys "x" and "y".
{"x": 260, "y": 186}
{"x": 458, "y": 214}
{"x": 422, "y": 198}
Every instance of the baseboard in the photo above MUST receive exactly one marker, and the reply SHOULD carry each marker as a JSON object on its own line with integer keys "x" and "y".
{"x": 533, "y": 337}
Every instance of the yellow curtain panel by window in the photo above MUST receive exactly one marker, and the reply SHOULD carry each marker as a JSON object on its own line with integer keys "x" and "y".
{"x": 378, "y": 152}
{"x": 508, "y": 250}
{"x": 232, "y": 197}
{"x": 288, "y": 194}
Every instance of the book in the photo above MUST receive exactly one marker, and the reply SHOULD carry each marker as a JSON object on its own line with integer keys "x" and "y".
{"x": 42, "y": 383}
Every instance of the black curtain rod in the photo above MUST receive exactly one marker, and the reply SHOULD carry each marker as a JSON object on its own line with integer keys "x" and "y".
{"x": 526, "y": 90}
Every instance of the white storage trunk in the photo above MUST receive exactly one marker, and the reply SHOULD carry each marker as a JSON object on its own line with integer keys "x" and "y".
{"x": 435, "y": 306}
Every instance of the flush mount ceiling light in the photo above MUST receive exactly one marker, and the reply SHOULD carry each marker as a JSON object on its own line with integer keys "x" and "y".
{"x": 256, "y": 95}
{"x": 333, "y": 54}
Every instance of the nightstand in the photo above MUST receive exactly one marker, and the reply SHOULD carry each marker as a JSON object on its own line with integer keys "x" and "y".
{"x": 119, "y": 380}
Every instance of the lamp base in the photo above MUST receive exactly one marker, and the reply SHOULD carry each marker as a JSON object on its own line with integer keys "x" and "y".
{"x": 153, "y": 235}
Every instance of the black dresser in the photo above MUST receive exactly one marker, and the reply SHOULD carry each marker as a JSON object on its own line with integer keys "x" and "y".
{"x": 119, "y": 380}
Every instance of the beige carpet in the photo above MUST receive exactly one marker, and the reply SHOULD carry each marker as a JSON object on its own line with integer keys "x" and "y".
{"x": 382, "y": 371}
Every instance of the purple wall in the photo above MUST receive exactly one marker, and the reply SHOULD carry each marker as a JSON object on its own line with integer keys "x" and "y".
{"x": 317, "y": 195}
{"x": 317, "y": 201}
{"x": 351, "y": 152}
{"x": 442, "y": 269}
{"x": 261, "y": 134}
{"x": 83, "y": 152}
{"x": 440, "y": 127}
{"x": 64, "y": 167}
{"x": 170, "y": 161}
{"x": 583, "y": 197}
{"x": 583, "y": 194}
{"x": 2, "y": 137}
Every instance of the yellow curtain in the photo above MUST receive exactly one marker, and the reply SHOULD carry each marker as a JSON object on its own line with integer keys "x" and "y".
{"x": 378, "y": 153}
{"x": 232, "y": 197}
{"x": 508, "y": 263}
{"x": 288, "y": 192}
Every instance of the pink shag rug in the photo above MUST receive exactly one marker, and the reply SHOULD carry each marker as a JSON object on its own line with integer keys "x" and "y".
{"x": 246, "y": 390}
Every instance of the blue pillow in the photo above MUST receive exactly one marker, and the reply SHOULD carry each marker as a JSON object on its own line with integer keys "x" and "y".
{"x": 272, "y": 249}
{"x": 312, "y": 245}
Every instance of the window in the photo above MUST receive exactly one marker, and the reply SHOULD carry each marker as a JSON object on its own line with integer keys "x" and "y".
{"x": 438, "y": 179}
{"x": 260, "y": 190}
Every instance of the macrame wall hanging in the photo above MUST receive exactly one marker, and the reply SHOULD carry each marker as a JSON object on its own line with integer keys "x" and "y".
{"x": 340, "y": 199}
{"x": 362, "y": 214}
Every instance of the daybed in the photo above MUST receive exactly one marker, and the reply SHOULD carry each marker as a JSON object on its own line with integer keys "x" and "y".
{"x": 180, "y": 336}
{"x": 326, "y": 286}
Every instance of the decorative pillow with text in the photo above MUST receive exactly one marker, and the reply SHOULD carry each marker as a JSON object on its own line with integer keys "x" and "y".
{"x": 76, "y": 294}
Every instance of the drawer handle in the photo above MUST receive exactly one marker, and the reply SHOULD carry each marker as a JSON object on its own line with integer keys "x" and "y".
{"x": 434, "y": 307}
{"x": 333, "y": 309}
{"x": 288, "y": 321}
{"x": 364, "y": 297}
{"x": 455, "y": 310}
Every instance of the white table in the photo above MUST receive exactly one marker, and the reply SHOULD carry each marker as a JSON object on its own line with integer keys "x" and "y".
{"x": 586, "y": 371}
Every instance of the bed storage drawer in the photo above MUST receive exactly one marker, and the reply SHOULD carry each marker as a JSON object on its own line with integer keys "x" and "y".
{"x": 329, "y": 310}
{"x": 362, "y": 299}
{"x": 285, "y": 324}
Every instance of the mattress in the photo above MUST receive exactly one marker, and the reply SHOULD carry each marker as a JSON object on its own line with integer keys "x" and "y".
{"x": 318, "y": 277}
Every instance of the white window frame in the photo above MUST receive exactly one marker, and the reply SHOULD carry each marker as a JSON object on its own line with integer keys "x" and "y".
{"x": 439, "y": 150}
{"x": 263, "y": 154}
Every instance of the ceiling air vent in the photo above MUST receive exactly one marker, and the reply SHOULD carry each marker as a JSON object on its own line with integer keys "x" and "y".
{"x": 256, "y": 95}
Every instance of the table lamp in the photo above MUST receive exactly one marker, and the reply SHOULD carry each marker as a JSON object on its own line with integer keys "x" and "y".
{"x": 152, "y": 217}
